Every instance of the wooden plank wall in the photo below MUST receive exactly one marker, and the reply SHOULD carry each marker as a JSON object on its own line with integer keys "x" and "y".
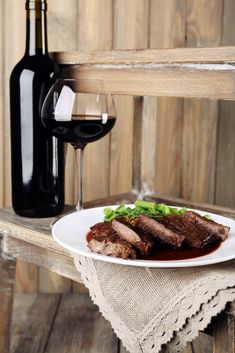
{"x": 185, "y": 145}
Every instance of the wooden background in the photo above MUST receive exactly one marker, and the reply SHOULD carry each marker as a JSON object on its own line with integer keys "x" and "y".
{"x": 187, "y": 145}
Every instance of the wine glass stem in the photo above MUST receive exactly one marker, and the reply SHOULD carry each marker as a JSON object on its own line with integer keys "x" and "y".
{"x": 79, "y": 166}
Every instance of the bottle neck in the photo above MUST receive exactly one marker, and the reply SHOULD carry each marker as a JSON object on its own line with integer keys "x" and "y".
{"x": 36, "y": 28}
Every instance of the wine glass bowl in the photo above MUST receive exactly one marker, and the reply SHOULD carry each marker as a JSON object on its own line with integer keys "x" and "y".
{"x": 77, "y": 118}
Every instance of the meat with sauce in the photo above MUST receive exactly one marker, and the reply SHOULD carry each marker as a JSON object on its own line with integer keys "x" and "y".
{"x": 105, "y": 241}
{"x": 140, "y": 240}
{"x": 198, "y": 231}
{"x": 159, "y": 231}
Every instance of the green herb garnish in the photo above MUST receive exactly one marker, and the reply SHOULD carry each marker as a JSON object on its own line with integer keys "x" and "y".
{"x": 151, "y": 209}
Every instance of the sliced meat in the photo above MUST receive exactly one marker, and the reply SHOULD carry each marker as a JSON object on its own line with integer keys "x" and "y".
{"x": 138, "y": 239}
{"x": 159, "y": 231}
{"x": 101, "y": 230}
{"x": 217, "y": 229}
{"x": 198, "y": 231}
{"x": 112, "y": 247}
{"x": 105, "y": 241}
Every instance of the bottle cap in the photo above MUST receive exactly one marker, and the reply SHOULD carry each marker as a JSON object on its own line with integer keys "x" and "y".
{"x": 36, "y": 5}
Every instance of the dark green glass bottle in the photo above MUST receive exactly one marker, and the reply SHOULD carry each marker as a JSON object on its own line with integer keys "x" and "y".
{"x": 37, "y": 158}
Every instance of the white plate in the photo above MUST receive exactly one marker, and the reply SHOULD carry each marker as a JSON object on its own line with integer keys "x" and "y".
{"x": 71, "y": 231}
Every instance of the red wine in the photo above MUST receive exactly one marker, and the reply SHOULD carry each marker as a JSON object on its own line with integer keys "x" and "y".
{"x": 37, "y": 158}
{"x": 81, "y": 129}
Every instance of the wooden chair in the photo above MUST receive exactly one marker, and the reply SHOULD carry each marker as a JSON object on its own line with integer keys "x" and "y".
{"x": 203, "y": 73}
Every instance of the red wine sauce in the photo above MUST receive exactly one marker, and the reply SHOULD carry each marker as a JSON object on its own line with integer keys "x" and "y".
{"x": 165, "y": 253}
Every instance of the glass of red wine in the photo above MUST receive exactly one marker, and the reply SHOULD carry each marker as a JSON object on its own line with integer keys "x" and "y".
{"x": 77, "y": 118}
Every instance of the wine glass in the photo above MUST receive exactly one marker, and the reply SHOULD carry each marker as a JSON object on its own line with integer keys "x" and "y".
{"x": 77, "y": 118}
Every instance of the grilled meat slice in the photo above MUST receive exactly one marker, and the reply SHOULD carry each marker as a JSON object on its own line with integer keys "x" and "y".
{"x": 198, "y": 231}
{"x": 218, "y": 230}
{"x": 138, "y": 239}
{"x": 101, "y": 230}
{"x": 159, "y": 231}
{"x": 106, "y": 242}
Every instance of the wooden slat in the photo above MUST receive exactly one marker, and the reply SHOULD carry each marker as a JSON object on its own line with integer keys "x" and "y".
{"x": 1, "y": 113}
{"x": 79, "y": 327}
{"x": 213, "y": 81}
{"x": 94, "y": 27}
{"x": 35, "y": 231}
{"x": 51, "y": 260}
{"x": 62, "y": 25}
{"x": 162, "y": 56}
{"x": 27, "y": 277}
{"x": 199, "y": 150}
{"x": 203, "y": 344}
{"x": 130, "y": 17}
{"x": 137, "y": 145}
{"x": 7, "y": 277}
{"x": 148, "y": 139}
{"x": 166, "y": 116}
{"x": 51, "y": 282}
{"x": 225, "y": 172}
{"x": 224, "y": 331}
{"x": 32, "y": 321}
{"x": 198, "y": 156}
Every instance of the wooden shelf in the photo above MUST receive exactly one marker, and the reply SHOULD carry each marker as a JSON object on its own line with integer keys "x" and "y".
{"x": 186, "y": 72}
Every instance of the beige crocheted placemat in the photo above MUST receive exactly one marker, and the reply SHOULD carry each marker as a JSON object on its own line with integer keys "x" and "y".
{"x": 149, "y": 308}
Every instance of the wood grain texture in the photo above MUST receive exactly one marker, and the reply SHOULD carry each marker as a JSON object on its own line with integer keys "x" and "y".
{"x": 149, "y": 129}
{"x": 94, "y": 28}
{"x": 225, "y": 155}
{"x": 50, "y": 282}
{"x": 199, "y": 150}
{"x": 51, "y": 260}
{"x": 169, "y": 128}
{"x": 79, "y": 327}
{"x": 224, "y": 332}
{"x": 62, "y": 25}
{"x": 27, "y": 277}
{"x": 173, "y": 80}
{"x": 207, "y": 55}
{"x": 33, "y": 317}
{"x": 204, "y": 27}
{"x": 170, "y": 16}
{"x": 137, "y": 145}
{"x": 7, "y": 279}
{"x": 203, "y": 344}
{"x": 1, "y": 111}
{"x": 225, "y": 171}
{"x": 130, "y": 17}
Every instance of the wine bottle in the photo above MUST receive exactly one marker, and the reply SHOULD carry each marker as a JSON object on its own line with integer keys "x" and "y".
{"x": 37, "y": 158}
